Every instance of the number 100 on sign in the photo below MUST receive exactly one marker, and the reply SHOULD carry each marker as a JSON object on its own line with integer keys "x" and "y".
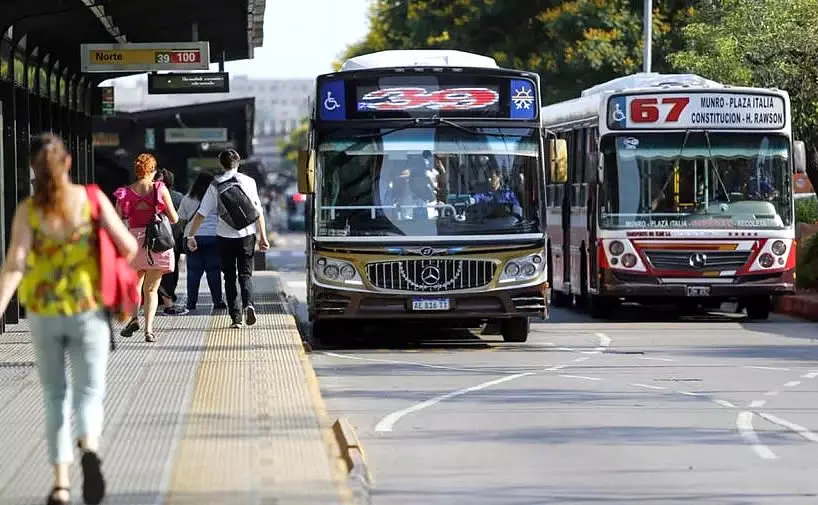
{"x": 178, "y": 57}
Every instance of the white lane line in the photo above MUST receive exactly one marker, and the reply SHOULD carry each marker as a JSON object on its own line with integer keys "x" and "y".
{"x": 689, "y": 393}
{"x": 412, "y": 363}
{"x": 744, "y": 423}
{"x": 648, "y": 386}
{"x": 775, "y": 368}
{"x": 583, "y": 377}
{"x": 567, "y": 349}
{"x": 797, "y": 428}
{"x": 810, "y": 375}
{"x": 652, "y": 358}
{"x": 604, "y": 342}
{"x": 725, "y": 403}
{"x": 580, "y": 360}
{"x": 756, "y": 404}
{"x": 771, "y": 393}
{"x": 792, "y": 384}
{"x": 388, "y": 422}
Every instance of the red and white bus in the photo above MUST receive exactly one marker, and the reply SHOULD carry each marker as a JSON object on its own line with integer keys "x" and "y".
{"x": 671, "y": 189}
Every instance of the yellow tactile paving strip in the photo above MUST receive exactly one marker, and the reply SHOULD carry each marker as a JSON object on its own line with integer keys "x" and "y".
{"x": 256, "y": 429}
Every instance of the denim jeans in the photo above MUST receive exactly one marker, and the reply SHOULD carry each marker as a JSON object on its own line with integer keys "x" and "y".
{"x": 85, "y": 339}
{"x": 205, "y": 260}
{"x": 237, "y": 264}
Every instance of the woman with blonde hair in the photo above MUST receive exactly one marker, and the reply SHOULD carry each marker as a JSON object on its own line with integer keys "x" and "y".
{"x": 54, "y": 258}
{"x": 138, "y": 204}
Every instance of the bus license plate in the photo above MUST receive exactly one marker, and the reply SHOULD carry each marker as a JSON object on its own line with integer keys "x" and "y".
{"x": 698, "y": 291}
{"x": 430, "y": 304}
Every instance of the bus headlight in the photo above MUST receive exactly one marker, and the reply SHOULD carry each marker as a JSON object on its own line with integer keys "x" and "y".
{"x": 336, "y": 271}
{"x": 522, "y": 269}
{"x": 616, "y": 248}
{"x": 629, "y": 260}
{"x": 766, "y": 260}
{"x": 779, "y": 247}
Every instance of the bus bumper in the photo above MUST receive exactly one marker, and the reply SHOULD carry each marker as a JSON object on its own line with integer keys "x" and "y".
{"x": 635, "y": 287}
{"x": 530, "y": 301}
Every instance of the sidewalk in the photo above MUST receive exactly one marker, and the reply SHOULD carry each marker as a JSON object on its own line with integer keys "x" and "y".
{"x": 804, "y": 305}
{"x": 207, "y": 414}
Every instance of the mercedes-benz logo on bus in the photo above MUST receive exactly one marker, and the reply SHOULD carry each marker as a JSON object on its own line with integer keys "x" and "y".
{"x": 698, "y": 260}
{"x": 430, "y": 275}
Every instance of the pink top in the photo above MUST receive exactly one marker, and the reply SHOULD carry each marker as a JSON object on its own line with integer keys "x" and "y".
{"x": 138, "y": 209}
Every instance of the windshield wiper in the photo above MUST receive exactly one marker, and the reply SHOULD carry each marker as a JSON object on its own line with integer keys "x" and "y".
{"x": 420, "y": 122}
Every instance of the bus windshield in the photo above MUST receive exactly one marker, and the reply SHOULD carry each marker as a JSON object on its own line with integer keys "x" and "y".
{"x": 696, "y": 180}
{"x": 438, "y": 181}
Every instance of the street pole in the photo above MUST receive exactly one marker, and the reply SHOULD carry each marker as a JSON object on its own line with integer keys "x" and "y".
{"x": 647, "y": 28}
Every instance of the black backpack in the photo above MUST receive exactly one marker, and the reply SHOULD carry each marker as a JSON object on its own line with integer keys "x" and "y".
{"x": 158, "y": 233}
{"x": 235, "y": 207}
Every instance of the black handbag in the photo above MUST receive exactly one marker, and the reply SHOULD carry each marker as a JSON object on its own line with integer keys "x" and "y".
{"x": 159, "y": 232}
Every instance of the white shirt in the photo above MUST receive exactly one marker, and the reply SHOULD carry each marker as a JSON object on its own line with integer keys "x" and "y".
{"x": 210, "y": 204}
{"x": 187, "y": 209}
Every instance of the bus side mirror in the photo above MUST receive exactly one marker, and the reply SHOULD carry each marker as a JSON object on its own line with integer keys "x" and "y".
{"x": 306, "y": 172}
{"x": 592, "y": 172}
{"x": 558, "y": 161}
{"x": 799, "y": 157}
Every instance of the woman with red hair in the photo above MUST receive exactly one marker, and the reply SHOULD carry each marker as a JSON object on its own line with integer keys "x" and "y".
{"x": 138, "y": 204}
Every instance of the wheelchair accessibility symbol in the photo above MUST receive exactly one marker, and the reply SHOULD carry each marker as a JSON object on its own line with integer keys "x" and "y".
{"x": 617, "y": 113}
{"x": 330, "y": 103}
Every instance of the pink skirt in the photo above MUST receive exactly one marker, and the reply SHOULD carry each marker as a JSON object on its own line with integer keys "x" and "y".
{"x": 162, "y": 261}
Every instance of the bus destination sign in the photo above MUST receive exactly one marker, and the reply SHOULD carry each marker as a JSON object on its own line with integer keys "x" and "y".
{"x": 458, "y": 96}
{"x": 145, "y": 57}
{"x": 682, "y": 111}
{"x": 188, "y": 83}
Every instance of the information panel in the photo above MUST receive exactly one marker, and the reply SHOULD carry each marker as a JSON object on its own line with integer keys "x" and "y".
{"x": 188, "y": 83}
{"x": 426, "y": 95}
{"x": 145, "y": 57}
{"x": 677, "y": 111}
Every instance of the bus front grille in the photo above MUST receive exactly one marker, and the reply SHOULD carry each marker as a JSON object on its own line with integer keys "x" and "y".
{"x": 430, "y": 275}
{"x": 697, "y": 261}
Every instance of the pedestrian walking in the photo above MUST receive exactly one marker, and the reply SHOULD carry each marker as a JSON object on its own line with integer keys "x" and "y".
{"x": 167, "y": 288}
{"x": 234, "y": 197}
{"x": 54, "y": 259}
{"x": 139, "y": 204}
{"x": 205, "y": 260}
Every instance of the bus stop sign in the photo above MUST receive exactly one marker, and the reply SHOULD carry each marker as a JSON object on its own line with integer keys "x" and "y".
{"x": 145, "y": 57}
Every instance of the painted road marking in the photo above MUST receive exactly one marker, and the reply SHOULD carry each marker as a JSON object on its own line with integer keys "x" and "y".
{"x": 771, "y": 393}
{"x": 388, "y": 422}
{"x": 797, "y": 428}
{"x": 580, "y": 360}
{"x": 652, "y": 358}
{"x": 648, "y": 386}
{"x": 689, "y": 393}
{"x": 755, "y": 404}
{"x": 412, "y": 363}
{"x": 725, "y": 403}
{"x": 810, "y": 375}
{"x": 744, "y": 423}
{"x": 792, "y": 384}
{"x": 582, "y": 377}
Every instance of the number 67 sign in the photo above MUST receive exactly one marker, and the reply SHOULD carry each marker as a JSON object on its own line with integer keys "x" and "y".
{"x": 646, "y": 111}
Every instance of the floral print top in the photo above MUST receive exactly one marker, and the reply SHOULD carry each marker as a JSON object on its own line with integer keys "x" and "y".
{"x": 62, "y": 275}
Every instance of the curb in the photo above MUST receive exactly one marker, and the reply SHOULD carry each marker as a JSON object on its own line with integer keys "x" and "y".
{"x": 797, "y": 306}
{"x": 359, "y": 477}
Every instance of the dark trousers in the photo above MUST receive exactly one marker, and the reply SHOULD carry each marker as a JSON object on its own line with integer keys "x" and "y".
{"x": 205, "y": 260}
{"x": 167, "y": 287}
{"x": 237, "y": 262}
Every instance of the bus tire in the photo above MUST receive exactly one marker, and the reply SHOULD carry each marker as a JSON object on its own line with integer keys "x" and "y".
{"x": 515, "y": 329}
{"x": 758, "y": 308}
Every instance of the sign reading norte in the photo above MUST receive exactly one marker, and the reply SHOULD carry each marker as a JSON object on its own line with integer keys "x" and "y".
{"x": 144, "y": 57}
{"x": 728, "y": 110}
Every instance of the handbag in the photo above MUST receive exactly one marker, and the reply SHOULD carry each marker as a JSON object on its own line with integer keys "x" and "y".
{"x": 159, "y": 232}
{"x": 119, "y": 282}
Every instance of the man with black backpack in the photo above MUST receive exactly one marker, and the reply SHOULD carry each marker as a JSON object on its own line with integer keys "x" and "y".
{"x": 235, "y": 197}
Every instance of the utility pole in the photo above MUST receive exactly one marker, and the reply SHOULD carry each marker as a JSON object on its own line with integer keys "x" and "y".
{"x": 647, "y": 30}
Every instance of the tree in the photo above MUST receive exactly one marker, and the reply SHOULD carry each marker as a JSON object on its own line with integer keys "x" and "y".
{"x": 296, "y": 140}
{"x": 572, "y": 44}
{"x": 766, "y": 43}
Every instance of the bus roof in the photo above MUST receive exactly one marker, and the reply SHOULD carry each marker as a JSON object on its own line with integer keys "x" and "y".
{"x": 588, "y": 104}
{"x": 418, "y": 58}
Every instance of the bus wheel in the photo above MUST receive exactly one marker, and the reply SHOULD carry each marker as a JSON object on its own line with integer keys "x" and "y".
{"x": 515, "y": 329}
{"x": 758, "y": 308}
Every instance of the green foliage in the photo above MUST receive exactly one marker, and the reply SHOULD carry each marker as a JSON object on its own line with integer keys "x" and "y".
{"x": 572, "y": 44}
{"x": 767, "y": 43}
{"x": 806, "y": 210}
{"x": 291, "y": 145}
{"x": 806, "y": 267}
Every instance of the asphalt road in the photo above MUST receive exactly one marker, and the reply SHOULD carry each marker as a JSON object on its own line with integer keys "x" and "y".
{"x": 646, "y": 409}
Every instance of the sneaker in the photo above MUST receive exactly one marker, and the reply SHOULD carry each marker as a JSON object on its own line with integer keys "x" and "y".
{"x": 237, "y": 322}
{"x": 175, "y": 311}
{"x": 219, "y": 306}
{"x": 130, "y": 328}
{"x": 250, "y": 315}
